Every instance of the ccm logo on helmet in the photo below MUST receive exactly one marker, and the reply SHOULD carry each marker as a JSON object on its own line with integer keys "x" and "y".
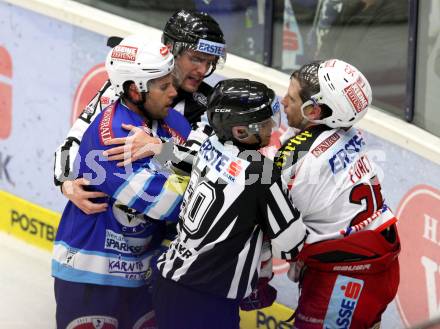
{"x": 343, "y": 301}
{"x": 209, "y": 47}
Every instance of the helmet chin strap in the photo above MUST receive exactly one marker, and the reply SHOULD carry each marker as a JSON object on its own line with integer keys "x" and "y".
{"x": 210, "y": 72}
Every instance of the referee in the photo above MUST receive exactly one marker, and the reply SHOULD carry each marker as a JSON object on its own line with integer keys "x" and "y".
{"x": 235, "y": 196}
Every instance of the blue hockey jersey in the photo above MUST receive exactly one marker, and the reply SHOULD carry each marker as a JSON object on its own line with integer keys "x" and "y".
{"x": 115, "y": 247}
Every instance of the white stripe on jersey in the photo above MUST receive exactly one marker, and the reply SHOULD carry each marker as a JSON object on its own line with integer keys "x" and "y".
{"x": 231, "y": 192}
{"x": 272, "y": 221}
{"x": 233, "y": 290}
{"x": 282, "y": 203}
{"x": 187, "y": 263}
{"x": 100, "y": 265}
{"x": 295, "y": 232}
{"x": 168, "y": 265}
{"x": 133, "y": 188}
{"x": 180, "y": 107}
{"x": 233, "y": 232}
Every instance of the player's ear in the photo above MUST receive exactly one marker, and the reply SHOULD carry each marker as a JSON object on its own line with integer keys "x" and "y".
{"x": 132, "y": 91}
{"x": 240, "y": 132}
{"x": 314, "y": 112}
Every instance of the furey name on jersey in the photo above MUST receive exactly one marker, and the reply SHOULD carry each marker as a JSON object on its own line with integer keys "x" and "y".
{"x": 220, "y": 165}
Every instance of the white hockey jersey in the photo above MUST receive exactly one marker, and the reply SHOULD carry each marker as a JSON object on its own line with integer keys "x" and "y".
{"x": 333, "y": 181}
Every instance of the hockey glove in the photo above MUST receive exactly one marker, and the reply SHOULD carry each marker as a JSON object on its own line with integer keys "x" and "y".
{"x": 262, "y": 296}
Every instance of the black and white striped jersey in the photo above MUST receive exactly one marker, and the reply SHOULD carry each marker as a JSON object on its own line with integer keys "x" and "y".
{"x": 233, "y": 198}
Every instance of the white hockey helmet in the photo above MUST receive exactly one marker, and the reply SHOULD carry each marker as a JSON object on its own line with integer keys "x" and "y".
{"x": 138, "y": 59}
{"x": 345, "y": 90}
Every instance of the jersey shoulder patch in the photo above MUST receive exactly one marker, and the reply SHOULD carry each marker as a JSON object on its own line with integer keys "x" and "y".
{"x": 202, "y": 94}
{"x": 298, "y": 146}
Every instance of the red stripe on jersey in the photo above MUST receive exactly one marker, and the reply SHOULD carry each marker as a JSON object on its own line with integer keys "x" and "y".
{"x": 105, "y": 125}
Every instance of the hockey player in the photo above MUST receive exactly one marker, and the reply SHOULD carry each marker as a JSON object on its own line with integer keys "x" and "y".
{"x": 102, "y": 261}
{"x": 233, "y": 198}
{"x": 348, "y": 269}
{"x": 197, "y": 42}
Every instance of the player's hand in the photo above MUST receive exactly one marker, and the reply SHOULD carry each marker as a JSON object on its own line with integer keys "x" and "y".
{"x": 296, "y": 270}
{"x": 75, "y": 192}
{"x": 137, "y": 145}
{"x": 262, "y": 296}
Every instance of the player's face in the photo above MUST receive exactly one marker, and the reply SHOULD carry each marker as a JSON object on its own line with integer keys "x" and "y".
{"x": 191, "y": 68}
{"x": 292, "y": 104}
{"x": 160, "y": 96}
{"x": 265, "y": 131}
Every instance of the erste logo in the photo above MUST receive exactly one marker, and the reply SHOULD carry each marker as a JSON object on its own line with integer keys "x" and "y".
{"x": 234, "y": 168}
{"x": 343, "y": 302}
{"x": 352, "y": 290}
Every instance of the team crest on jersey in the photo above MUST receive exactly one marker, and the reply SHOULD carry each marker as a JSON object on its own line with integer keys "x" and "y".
{"x": 132, "y": 222}
{"x": 200, "y": 98}
{"x": 343, "y": 302}
{"x": 94, "y": 322}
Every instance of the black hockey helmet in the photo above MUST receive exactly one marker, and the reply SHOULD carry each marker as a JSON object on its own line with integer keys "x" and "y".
{"x": 241, "y": 102}
{"x": 198, "y": 31}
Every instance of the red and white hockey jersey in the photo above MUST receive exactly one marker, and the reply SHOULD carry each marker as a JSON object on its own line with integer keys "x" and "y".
{"x": 333, "y": 181}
